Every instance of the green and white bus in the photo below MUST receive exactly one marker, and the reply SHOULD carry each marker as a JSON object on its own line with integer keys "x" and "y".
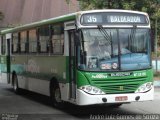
{"x": 85, "y": 58}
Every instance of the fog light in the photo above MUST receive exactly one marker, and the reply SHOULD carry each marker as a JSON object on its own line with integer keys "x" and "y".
{"x": 104, "y": 99}
{"x": 137, "y": 98}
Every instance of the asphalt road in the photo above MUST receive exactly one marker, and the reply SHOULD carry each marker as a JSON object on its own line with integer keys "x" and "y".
{"x": 31, "y": 106}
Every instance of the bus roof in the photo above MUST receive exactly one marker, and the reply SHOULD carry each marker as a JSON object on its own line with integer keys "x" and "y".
{"x": 39, "y": 23}
{"x": 113, "y": 10}
{"x": 67, "y": 17}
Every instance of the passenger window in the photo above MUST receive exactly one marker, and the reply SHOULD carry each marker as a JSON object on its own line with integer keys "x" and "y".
{"x": 58, "y": 39}
{"x": 43, "y": 39}
{"x": 32, "y": 41}
{"x": 15, "y": 43}
{"x": 3, "y": 45}
{"x": 23, "y": 41}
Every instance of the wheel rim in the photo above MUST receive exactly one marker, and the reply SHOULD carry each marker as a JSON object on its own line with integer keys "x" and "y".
{"x": 57, "y": 95}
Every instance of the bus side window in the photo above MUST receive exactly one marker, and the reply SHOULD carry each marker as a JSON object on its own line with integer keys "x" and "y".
{"x": 32, "y": 41}
{"x": 43, "y": 39}
{"x": 57, "y": 32}
{"x": 27, "y": 42}
{"x": 0, "y": 45}
{"x": 23, "y": 41}
{"x": 15, "y": 43}
{"x": 19, "y": 43}
{"x": 3, "y": 45}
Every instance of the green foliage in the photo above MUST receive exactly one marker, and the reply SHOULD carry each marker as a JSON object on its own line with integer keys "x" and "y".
{"x": 157, "y": 74}
{"x": 152, "y": 7}
{"x": 154, "y": 55}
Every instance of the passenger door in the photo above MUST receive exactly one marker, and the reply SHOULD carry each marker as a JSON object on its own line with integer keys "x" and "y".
{"x": 72, "y": 64}
{"x": 5, "y": 59}
{"x": 0, "y": 58}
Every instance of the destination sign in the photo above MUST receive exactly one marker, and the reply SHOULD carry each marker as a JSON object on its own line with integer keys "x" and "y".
{"x": 124, "y": 19}
{"x": 113, "y": 18}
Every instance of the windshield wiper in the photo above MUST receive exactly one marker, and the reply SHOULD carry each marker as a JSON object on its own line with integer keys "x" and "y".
{"x": 105, "y": 34}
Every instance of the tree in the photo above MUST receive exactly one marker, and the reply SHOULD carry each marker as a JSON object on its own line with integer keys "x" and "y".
{"x": 152, "y": 7}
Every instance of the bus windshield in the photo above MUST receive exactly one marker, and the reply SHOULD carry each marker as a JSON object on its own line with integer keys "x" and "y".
{"x": 119, "y": 49}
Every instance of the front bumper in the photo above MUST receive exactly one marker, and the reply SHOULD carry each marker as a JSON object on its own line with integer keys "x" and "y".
{"x": 84, "y": 98}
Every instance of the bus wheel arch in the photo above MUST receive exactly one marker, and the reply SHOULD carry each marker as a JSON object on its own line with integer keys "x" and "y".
{"x": 15, "y": 82}
{"x": 13, "y": 75}
{"x": 55, "y": 93}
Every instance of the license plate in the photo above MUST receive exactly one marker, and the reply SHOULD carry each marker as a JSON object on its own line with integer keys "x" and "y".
{"x": 121, "y": 98}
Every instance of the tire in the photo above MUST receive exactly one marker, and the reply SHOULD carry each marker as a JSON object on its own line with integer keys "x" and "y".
{"x": 15, "y": 84}
{"x": 56, "y": 96}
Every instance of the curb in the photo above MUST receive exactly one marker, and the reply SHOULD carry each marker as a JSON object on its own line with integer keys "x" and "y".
{"x": 157, "y": 83}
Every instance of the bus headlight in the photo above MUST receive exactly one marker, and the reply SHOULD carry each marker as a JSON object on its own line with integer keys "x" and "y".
{"x": 145, "y": 87}
{"x": 91, "y": 90}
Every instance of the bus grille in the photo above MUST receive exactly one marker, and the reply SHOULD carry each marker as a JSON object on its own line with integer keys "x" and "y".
{"x": 115, "y": 86}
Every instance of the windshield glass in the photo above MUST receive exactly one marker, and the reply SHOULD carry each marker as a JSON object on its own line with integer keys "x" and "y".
{"x": 114, "y": 49}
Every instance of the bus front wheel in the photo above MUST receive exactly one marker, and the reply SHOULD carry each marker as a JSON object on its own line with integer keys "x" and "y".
{"x": 56, "y": 96}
